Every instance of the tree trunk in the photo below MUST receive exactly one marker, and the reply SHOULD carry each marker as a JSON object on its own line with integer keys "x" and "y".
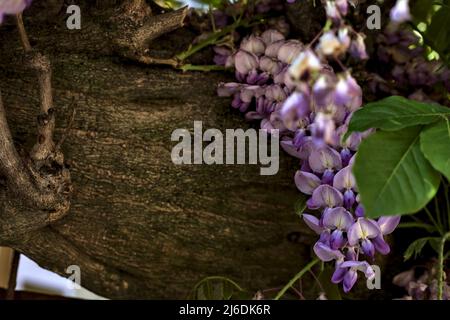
{"x": 140, "y": 226}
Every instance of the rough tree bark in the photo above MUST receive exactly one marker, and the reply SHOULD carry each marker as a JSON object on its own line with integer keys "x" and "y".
{"x": 140, "y": 226}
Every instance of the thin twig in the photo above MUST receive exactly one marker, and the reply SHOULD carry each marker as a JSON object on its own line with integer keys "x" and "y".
{"x": 339, "y": 62}
{"x": 317, "y": 280}
{"x": 45, "y": 145}
{"x": 23, "y": 35}
{"x": 296, "y": 277}
{"x": 316, "y": 37}
{"x": 271, "y": 289}
{"x": 300, "y": 295}
{"x": 157, "y": 61}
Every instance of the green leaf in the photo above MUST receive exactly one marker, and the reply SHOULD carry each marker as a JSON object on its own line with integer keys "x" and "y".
{"x": 437, "y": 32}
{"x": 211, "y": 3}
{"x": 392, "y": 174}
{"x": 415, "y": 248}
{"x": 435, "y": 145}
{"x": 435, "y": 243}
{"x": 394, "y": 113}
{"x": 422, "y": 9}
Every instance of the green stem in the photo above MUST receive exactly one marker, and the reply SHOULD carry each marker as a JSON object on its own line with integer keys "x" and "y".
{"x": 441, "y": 264}
{"x": 438, "y": 212}
{"x": 447, "y": 255}
{"x": 216, "y": 36}
{"x": 422, "y": 225}
{"x": 296, "y": 277}
{"x": 212, "y": 39}
{"x": 191, "y": 67}
{"x": 447, "y": 200}
{"x": 417, "y": 219}
{"x": 211, "y": 16}
{"x": 430, "y": 216}
{"x": 225, "y": 279}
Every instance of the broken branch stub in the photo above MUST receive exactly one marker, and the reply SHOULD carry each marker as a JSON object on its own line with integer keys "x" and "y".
{"x": 136, "y": 28}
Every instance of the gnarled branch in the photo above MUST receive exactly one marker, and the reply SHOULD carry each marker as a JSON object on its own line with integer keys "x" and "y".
{"x": 38, "y": 185}
{"x": 136, "y": 28}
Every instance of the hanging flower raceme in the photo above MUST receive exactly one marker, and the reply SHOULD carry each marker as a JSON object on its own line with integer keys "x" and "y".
{"x": 346, "y": 235}
{"x": 291, "y": 87}
{"x": 261, "y": 65}
{"x": 12, "y": 7}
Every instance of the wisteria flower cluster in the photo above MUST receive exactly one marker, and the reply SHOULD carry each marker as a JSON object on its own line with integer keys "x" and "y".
{"x": 261, "y": 66}
{"x": 12, "y": 7}
{"x": 405, "y": 71}
{"x": 293, "y": 87}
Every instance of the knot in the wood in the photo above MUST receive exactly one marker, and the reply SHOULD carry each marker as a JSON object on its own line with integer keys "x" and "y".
{"x": 45, "y": 118}
{"x": 39, "y": 62}
{"x": 31, "y": 206}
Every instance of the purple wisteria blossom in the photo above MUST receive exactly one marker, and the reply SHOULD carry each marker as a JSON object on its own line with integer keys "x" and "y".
{"x": 400, "y": 12}
{"x": 12, "y": 7}
{"x": 347, "y": 272}
{"x": 292, "y": 87}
